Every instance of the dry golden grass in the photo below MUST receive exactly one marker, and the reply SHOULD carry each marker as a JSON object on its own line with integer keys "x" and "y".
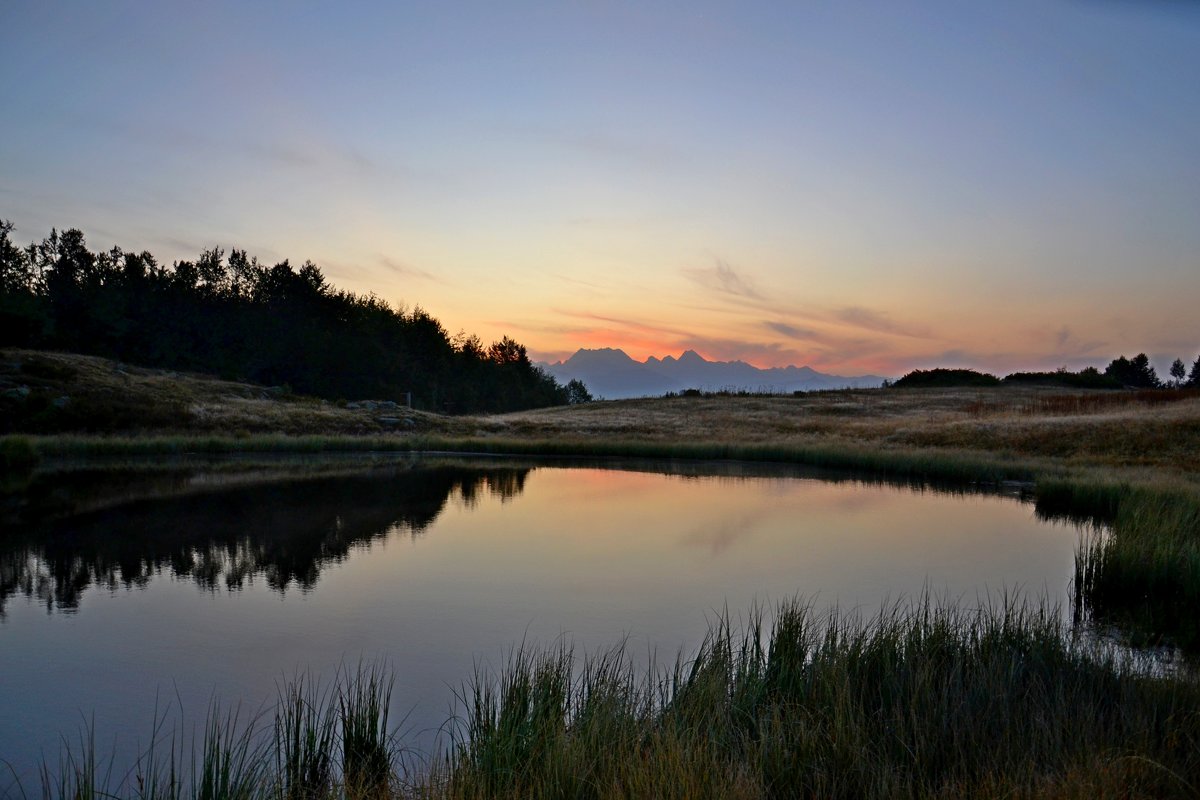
{"x": 105, "y": 396}
{"x": 1119, "y": 432}
{"x": 1004, "y": 421}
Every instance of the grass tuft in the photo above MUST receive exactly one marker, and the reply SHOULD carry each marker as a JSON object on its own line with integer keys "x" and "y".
{"x": 367, "y": 751}
{"x": 305, "y": 735}
{"x": 233, "y": 761}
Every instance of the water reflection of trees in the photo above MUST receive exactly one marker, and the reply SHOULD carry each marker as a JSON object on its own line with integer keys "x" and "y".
{"x": 285, "y": 533}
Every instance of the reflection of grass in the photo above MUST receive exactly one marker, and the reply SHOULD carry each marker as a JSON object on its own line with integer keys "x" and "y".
{"x": 919, "y": 702}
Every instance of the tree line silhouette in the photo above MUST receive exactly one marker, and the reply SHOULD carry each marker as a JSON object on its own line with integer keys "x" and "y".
{"x": 274, "y": 325}
{"x": 1121, "y": 373}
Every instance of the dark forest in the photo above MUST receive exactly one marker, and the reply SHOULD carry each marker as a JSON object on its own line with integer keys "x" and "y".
{"x": 275, "y": 325}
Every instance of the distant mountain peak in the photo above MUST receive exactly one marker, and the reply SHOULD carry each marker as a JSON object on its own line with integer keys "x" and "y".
{"x": 610, "y": 373}
{"x": 600, "y": 355}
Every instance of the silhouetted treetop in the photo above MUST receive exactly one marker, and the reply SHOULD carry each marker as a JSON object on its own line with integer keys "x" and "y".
{"x": 1178, "y": 372}
{"x": 1086, "y": 378}
{"x": 940, "y": 377}
{"x": 1134, "y": 372}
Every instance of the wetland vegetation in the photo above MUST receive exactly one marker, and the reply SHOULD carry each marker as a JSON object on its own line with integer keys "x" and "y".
{"x": 918, "y": 701}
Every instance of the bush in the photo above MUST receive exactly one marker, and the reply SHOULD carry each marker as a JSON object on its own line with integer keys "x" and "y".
{"x": 1086, "y": 378}
{"x": 930, "y": 378}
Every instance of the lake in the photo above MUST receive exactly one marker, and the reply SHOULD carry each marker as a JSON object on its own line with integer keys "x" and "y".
{"x": 128, "y": 589}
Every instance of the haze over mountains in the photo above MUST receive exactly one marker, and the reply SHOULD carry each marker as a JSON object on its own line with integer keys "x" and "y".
{"x": 612, "y": 374}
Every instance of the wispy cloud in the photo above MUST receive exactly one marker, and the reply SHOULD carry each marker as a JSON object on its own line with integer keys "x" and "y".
{"x": 312, "y": 154}
{"x": 998, "y": 362}
{"x": 590, "y": 330}
{"x": 722, "y": 277}
{"x": 878, "y": 322}
{"x": 565, "y": 278}
{"x": 405, "y": 269}
{"x": 639, "y": 153}
{"x": 666, "y": 332}
{"x": 763, "y": 354}
{"x": 718, "y": 536}
{"x": 791, "y": 331}
{"x": 823, "y": 349}
{"x": 1067, "y": 343}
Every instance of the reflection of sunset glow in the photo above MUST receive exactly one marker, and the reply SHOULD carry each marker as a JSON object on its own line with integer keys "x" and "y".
{"x": 597, "y": 556}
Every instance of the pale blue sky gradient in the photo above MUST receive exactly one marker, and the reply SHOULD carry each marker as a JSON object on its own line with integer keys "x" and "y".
{"x": 867, "y": 186}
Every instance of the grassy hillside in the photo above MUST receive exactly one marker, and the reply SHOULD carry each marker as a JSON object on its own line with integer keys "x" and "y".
{"x": 1133, "y": 432}
{"x": 47, "y": 393}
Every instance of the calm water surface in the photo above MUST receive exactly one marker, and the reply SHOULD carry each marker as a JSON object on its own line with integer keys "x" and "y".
{"x": 438, "y": 567}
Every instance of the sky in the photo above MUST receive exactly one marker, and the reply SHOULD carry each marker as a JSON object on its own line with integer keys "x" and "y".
{"x": 859, "y": 187}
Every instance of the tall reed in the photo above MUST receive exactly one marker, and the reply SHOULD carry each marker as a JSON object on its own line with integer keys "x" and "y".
{"x": 918, "y": 702}
{"x": 305, "y": 738}
{"x": 366, "y": 740}
{"x": 1144, "y": 577}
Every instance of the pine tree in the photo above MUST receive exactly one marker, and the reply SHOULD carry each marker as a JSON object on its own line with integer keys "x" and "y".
{"x": 1178, "y": 372}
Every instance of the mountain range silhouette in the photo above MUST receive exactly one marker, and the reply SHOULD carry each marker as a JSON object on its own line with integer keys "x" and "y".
{"x": 610, "y": 373}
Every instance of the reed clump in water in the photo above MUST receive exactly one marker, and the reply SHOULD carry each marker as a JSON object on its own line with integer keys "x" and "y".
{"x": 1143, "y": 575}
{"x": 322, "y": 743}
{"x": 924, "y": 702}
